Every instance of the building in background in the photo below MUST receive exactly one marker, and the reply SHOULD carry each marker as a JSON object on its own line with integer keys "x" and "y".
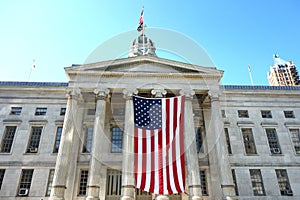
{"x": 283, "y": 73}
{"x": 72, "y": 140}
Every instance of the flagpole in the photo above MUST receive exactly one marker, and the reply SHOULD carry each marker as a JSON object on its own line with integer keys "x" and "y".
{"x": 249, "y": 69}
{"x": 31, "y": 68}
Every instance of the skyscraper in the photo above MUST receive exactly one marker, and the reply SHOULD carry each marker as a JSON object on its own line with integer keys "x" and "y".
{"x": 283, "y": 73}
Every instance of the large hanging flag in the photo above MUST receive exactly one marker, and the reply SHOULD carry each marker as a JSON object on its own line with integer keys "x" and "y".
{"x": 159, "y": 144}
{"x": 141, "y": 21}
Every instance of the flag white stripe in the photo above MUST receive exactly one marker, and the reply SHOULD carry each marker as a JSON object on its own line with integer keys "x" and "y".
{"x": 171, "y": 150}
{"x": 140, "y": 163}
{"x": 148, "y": 162}
{"x": 164, "y": 146}
{"x": 179, "y": 150}
{"x": 156, "y": 177}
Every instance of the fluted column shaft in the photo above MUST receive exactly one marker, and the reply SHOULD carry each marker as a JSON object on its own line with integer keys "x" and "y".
{"x": 64, "y": 153}
{"x": 128, "y": 179}
{"x": 220, "y": 145}
{"x": 93, "y": 186}
{"x": 191, "y": 156}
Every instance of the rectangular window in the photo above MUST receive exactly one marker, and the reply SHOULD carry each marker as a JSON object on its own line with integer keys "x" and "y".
{"x": 91, "y": 111}
{"x": 234, "y": 182}
{"x": 248, "y": 141}
{"x": 273, "y": 141}
{"x": 62, "y": 111}
{"x": 40, "y": 111}
{"x": 203, "y": 181}
{"x": 295, "y": 136}
{"x": 84, "y": 174}
{"x": 199, "y": 140}
{"x": 116, "y": 140}
{"x": 2, "y": 172}
{"x": 50, "y": 181}
{"x": 289, "y": 114}
{"x": 283, "y": 182}
{"x": 223, "y": 113}
{"x": 113, "y": 183}
{"x": 57, "y": 139}
{"x": 88, "y": 141}
{"x": 227, "y": 140}
{"x": 243, "y": 114}
{"x": 257, "y": 182}
{"x": 8, "y": 139}
{"x": 25, "y": 182}
{"x": 16, "y": 110}
{"x": 266, "y": 114}
{"x": 34, "y": 141}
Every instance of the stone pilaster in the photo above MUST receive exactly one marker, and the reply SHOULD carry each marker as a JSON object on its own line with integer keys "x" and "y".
{"x": 128, "y": 179}
{"x": 93, "y": 186}
{"x": 191, "y": 155}
{"x": 219, "y": 149}
{"x": 66, "y": 142}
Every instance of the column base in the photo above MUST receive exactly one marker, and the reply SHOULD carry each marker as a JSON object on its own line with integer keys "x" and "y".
{"x": 92, "y": 192}
{"x": 58, "y": 192}
{"x": 196, "y": 198}
{"x": 162, "y": 197}
{"x": 126, "y": 198}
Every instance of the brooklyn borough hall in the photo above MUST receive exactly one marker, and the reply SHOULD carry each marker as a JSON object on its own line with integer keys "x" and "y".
{"x": 75, "y": 140}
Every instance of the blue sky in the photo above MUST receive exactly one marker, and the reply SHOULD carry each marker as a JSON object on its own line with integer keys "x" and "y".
{"x": 234, "y": 33}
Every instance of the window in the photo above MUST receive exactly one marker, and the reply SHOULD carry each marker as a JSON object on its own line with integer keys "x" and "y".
{"x": 34, "y": 141}
{"x": 50, "y": 181}
{"x": 2, "y": 172}
{"x": 116, "y": 140}
{"x": 248, "y": 141}
{"x": 83, "y": 182}
{"x": 199, "y": 140}
{"x": 40, "y": 111}
{"x": 16, "y": 110}
{"x": 114, "y": 183}
{"x": 266, "y": 114}
{"x": 257, "y": 182}
{"x": 62, "y": 111}
{"x": 234, "y": 182}
{"x": 283, "y": 182}
{"x": 57, "y": 139}
{"x": 223, "y": 113}
{"x": 91, "y": 111}
{"x": 227, "y": 141}
{"x": 289, "y": 114}
{"x": 88, "y": 140}
{"x": 25, "y": 182}
{"x": 243, "y": 113}
{"x": 295, "y": 135}
{"x": 203, "y": 183}
{"x": 273, "y": 141}
{"x": 8, "y": 139}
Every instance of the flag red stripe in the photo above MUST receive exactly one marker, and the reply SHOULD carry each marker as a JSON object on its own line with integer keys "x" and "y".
{"x": 136, "y": 143}
{"x": 152, "y": 182}
{"x": 144, "y": 158}
{"x": 168, "y": 110}
{"x": 160, "y": 163}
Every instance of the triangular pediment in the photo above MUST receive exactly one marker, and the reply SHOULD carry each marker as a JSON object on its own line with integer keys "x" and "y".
{"x": 143, "y": 64}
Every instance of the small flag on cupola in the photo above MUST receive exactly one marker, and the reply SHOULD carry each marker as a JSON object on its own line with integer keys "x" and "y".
{"x": 141, "y": 21}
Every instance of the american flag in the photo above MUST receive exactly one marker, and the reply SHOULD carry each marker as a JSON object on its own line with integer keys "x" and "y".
{"x": 141, "y": 21}
{"x": 159, "y": 144}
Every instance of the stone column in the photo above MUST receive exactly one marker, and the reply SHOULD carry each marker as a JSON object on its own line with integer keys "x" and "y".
{"x": 128, "y": 179}
{"x": 222, "y": 161}
{"x": 93, "y": 186}
{"x": 191, "y": 156}
{"x": 66, "y": 142}
{"x": 158, "y": 93}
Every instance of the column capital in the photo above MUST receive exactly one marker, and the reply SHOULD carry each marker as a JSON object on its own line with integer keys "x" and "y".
{"x": 74, "y": 93}
{"x": 159, "y": 92}
{"x": 102, "y": 93}
{"x": 128, "y": 93}
{"x": 188, "y": 93}
{"x": 214, "y": 95}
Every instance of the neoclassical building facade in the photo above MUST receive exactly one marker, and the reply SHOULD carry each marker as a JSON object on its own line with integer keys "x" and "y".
{"x": 74, "y": 140}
